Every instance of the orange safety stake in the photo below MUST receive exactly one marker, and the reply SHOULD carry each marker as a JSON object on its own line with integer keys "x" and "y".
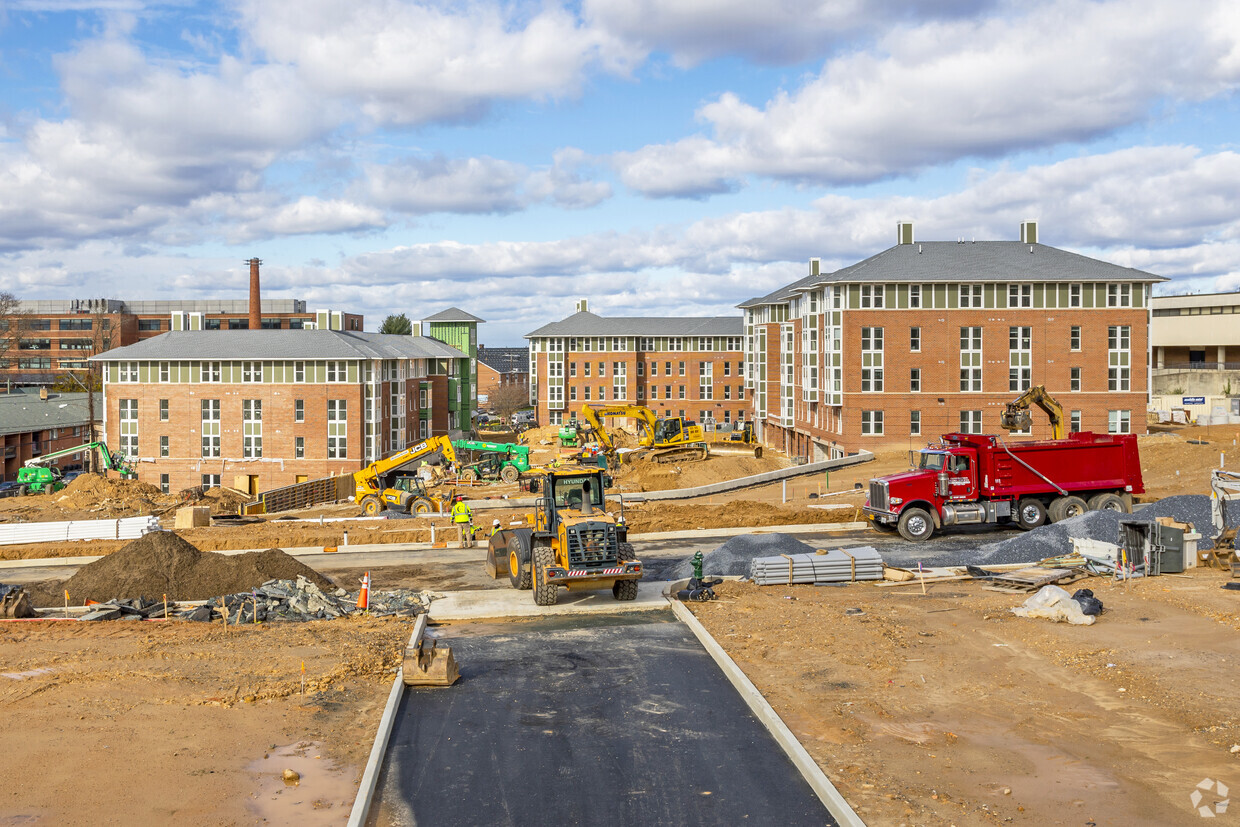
{"x": 363, "y": 597}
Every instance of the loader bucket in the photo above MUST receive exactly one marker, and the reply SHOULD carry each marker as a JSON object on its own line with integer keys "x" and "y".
{"x": 434, "y": 666}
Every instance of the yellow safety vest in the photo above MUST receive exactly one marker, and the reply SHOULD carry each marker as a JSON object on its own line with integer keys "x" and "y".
{"x": 461, "y": 513}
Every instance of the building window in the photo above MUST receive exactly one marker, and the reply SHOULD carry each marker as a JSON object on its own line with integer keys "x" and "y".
{"x": 682, "y": 369}
{"x": 871, "y": 360}
{"x": 1020, "y": 358}
{"x": 128, "y": 371}
{"x": 619, "y": 380}
{"x": 641, "y": 368}
{"x": 81, "y": 324}
{"x": 585, "y": 393}
{"x": 674, "y": 344}
{"x": 1119, "y": 295}
{"x": 422, "y": 399}
{"x": 970, "y": 422}
{"x": 1020, "y": 295}
{"x": 971, "y": 359}
{"x": 667, "y": 391}
{"x": 210, "y": 371}
{"x": 572, "y": 368}
{"x": 251, "y": 371}
{"x": 914, "y": 423}
{"x": 706, "y": 380}
{"x": 585, "y": 368}
{"x": 1074, "y": 382}
{"x": 150, "y": 324}
{"x": 163, "y": 410}
{"x": 1074, "y": 295}
{"x": 1118, "y": 422}
{"x": 163, "y": 446}
{"x": 238, "y": 324}
{"x": 914, "y": 380}
{"x": 654, "y": 391}
{"x": 337, "y": 371}
{"x": 299, "y": 372}
{"x": 872, "y": 295}
{"x": 210, "y": 427}
{"x": 645, "y": 343}
{"x": 681, "y": 394}
{"x": 163, "y": 484}
{"x": 727, "y": 391}
{"x": 733, "y": 343}
{"x": 1074, "y": 340}
{"x": 1074, "y": 422}
{"x": 252, "y": 428}
{"x": 299, "y": 410}
{"x": 299, "y": 445}
{"x": 572, "y": 393}
{"x": 210, "y": 481}
{"x": 337, "y": 428}
{"x": 970, "y": 295}
{"x": 914, "y": 339}
{"x": 914, "y": 295}
{"x": 129, "y": 427}
{"x": 1119, "y": 358}
{"x": 871, "y": 423}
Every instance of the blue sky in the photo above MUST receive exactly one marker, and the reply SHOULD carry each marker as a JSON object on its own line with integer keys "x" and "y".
{"x": 658, "y": 157}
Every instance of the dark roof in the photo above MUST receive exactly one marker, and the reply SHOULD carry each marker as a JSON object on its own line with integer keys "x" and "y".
{"x": 972, "y": 261}
{"x": 585, "y": 323}
{"x": 25, "y": 412}
{"x": 281, "y": 344}
{"x": 505, "y": 359}
{"x": 453, "y": 314}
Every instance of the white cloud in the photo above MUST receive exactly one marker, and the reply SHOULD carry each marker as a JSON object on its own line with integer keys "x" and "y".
{"x": 411, "y": 63}
{"x": 310, "y": 215}
{"x": 1067, "y": 71}
{"x": 775, "y": 31}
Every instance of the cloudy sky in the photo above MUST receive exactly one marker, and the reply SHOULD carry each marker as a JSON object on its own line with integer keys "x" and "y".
{"x": 656, "y": 156}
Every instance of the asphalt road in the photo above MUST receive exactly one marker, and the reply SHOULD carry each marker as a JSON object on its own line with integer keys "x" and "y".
{"x": 620, "y": 720}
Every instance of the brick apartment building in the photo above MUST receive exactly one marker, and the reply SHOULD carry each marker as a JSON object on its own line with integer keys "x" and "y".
{"x": 258, "y": 409}
{"x": 34, "y": 424}
{"x": 680, "y": 366}
{"x": 502, "y": 367}
{"x": 51, "y": 338}
{"x": 927, "y": 338}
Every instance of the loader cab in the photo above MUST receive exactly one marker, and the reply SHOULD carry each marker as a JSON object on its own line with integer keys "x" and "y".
{"x": 409, "y": 483}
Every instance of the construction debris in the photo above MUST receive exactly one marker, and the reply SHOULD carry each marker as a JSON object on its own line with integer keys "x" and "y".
{"x": 1031, "y": 579}
{"x": 301, "y": 600}
{"x": 1053, "y": 603}
{"x": 834, "y": 566}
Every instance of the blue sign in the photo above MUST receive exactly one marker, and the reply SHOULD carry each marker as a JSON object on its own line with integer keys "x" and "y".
{"x": 1194, "y": 400}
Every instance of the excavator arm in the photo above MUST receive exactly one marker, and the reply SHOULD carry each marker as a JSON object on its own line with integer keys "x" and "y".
{"x": 370, "y": 479}
{"x": 644, "y": 416}
{"x": 1015, "y": 416}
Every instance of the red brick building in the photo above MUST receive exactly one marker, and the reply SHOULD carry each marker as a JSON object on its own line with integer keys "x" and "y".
{"x": 258, "y": 409}
{"x": 502, "y": 367}
{"x": 935, "y": 337}
{"x": 679, "y": 366}
{"x": 34, "y": 424}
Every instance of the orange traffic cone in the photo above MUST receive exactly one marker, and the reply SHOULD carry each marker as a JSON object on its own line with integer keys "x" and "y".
{"x": 363, "y": 597}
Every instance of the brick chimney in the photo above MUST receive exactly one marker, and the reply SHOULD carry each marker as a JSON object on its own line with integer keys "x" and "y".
{"x": 256, "y": 304}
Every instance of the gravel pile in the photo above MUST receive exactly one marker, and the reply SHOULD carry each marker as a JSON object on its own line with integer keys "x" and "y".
{"x": 301, "y": 600}
{"x": 1056, "y": 539}
{"x": 735, "y": 557}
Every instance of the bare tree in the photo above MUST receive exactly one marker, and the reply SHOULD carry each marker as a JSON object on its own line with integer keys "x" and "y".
{"x": 508, "y": 398}
{"x": 10, "y": 327}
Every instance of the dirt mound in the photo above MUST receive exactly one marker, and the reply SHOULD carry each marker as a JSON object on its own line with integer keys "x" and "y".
{"x": 645, "y": 517}
{"x": 93, "y": 490}
{"x": 162, "y": 563}
{"x": 224, "y": 500}
{"x": 638, "y": 474}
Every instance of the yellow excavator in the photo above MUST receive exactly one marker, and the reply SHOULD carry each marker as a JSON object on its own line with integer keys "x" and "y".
{"x": 1016, "y": 417}
{"x": 662, "y": 440}
{"x": 381, "y": 485}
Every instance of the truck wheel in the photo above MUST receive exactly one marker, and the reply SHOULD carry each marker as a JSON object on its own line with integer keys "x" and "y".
{"x": 916, "y": 525}
{"x": 1108, "y": 502}
{"x": 469, "y": 475}
{"x": 23, "y": 491}
{"x": 627, "y": 552}
{"x": 421, "y": 506}
{"x": 371, "y": 507}
{"x": 624, "y": 590}
{"x": 519, "y": 574}
{"x": 509, "y": 473}
{"x": 545, "y": 593}
{"x": 1063, "y": 508}
{"x": 1030, "y": 514}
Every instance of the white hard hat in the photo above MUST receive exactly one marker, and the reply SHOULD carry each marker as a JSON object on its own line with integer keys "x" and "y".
{"x": 495, "y": 522}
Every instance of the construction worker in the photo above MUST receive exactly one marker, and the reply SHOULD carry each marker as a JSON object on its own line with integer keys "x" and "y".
{"x": 494, "y": 527}
{"x": 463, "y": 518}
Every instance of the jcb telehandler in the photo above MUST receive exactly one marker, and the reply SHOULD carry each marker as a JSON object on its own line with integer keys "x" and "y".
{"x": 571, "y": 541}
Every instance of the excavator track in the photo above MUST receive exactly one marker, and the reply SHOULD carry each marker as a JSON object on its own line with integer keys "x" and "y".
{"x": 695, "y": 452}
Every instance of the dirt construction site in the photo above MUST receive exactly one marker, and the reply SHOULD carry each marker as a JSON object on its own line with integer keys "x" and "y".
{"x": 249, "y": 686}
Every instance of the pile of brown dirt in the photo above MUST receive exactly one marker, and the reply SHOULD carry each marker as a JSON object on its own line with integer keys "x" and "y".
{"x": 224, "y": 500}
{"x": 644, "y": 517}
{"x": 638, "y": 474}
{"x": 93, "y": 490}
{"x": 162, "y": 563}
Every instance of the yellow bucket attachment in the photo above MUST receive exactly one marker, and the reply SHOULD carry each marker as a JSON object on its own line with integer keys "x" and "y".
{"x": 432, "y": 666}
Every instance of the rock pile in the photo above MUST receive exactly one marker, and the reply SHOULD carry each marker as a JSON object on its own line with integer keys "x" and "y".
{"x": 301, "y": 600}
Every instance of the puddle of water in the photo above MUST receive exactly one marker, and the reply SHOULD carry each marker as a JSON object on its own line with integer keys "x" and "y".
{"x": 322, "y": 796}
{"x": 31, "y": 673}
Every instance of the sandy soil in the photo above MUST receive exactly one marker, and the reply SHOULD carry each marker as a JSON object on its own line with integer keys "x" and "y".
{"x": 182, "y": 723}
{"x": 948, "y": 709}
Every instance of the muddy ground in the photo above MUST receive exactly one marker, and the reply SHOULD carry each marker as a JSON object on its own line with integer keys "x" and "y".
{"x": 948, "y": 709}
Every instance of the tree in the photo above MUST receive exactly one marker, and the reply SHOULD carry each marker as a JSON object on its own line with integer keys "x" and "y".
{"x": 399, "y": 325}
{"x": 10, "y": 328}
{"x": 508, "y": 398}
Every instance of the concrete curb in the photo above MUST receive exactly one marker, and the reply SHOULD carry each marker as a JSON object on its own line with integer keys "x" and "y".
{"x": 810, "y": 771}
{"x": 370, "y": 777}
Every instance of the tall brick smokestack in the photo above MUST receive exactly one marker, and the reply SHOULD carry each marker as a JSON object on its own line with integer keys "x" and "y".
{"x": 256, "y": 304}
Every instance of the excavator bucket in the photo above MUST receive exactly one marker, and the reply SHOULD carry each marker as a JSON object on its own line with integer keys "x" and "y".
{"x": 434, "y": 666}
{"x": 15, "y": 603}
{"x": 1016, "y": 420}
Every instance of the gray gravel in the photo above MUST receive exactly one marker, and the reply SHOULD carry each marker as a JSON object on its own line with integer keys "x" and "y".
{"x": 1055, "y": 539}
{"x": 736, "y": 555}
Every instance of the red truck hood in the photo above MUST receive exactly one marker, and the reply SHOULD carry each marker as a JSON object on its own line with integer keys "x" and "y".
{"x": 906, "y": 477}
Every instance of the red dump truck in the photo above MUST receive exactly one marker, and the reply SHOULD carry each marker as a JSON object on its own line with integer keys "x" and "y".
{"x": 975, "y": 478}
